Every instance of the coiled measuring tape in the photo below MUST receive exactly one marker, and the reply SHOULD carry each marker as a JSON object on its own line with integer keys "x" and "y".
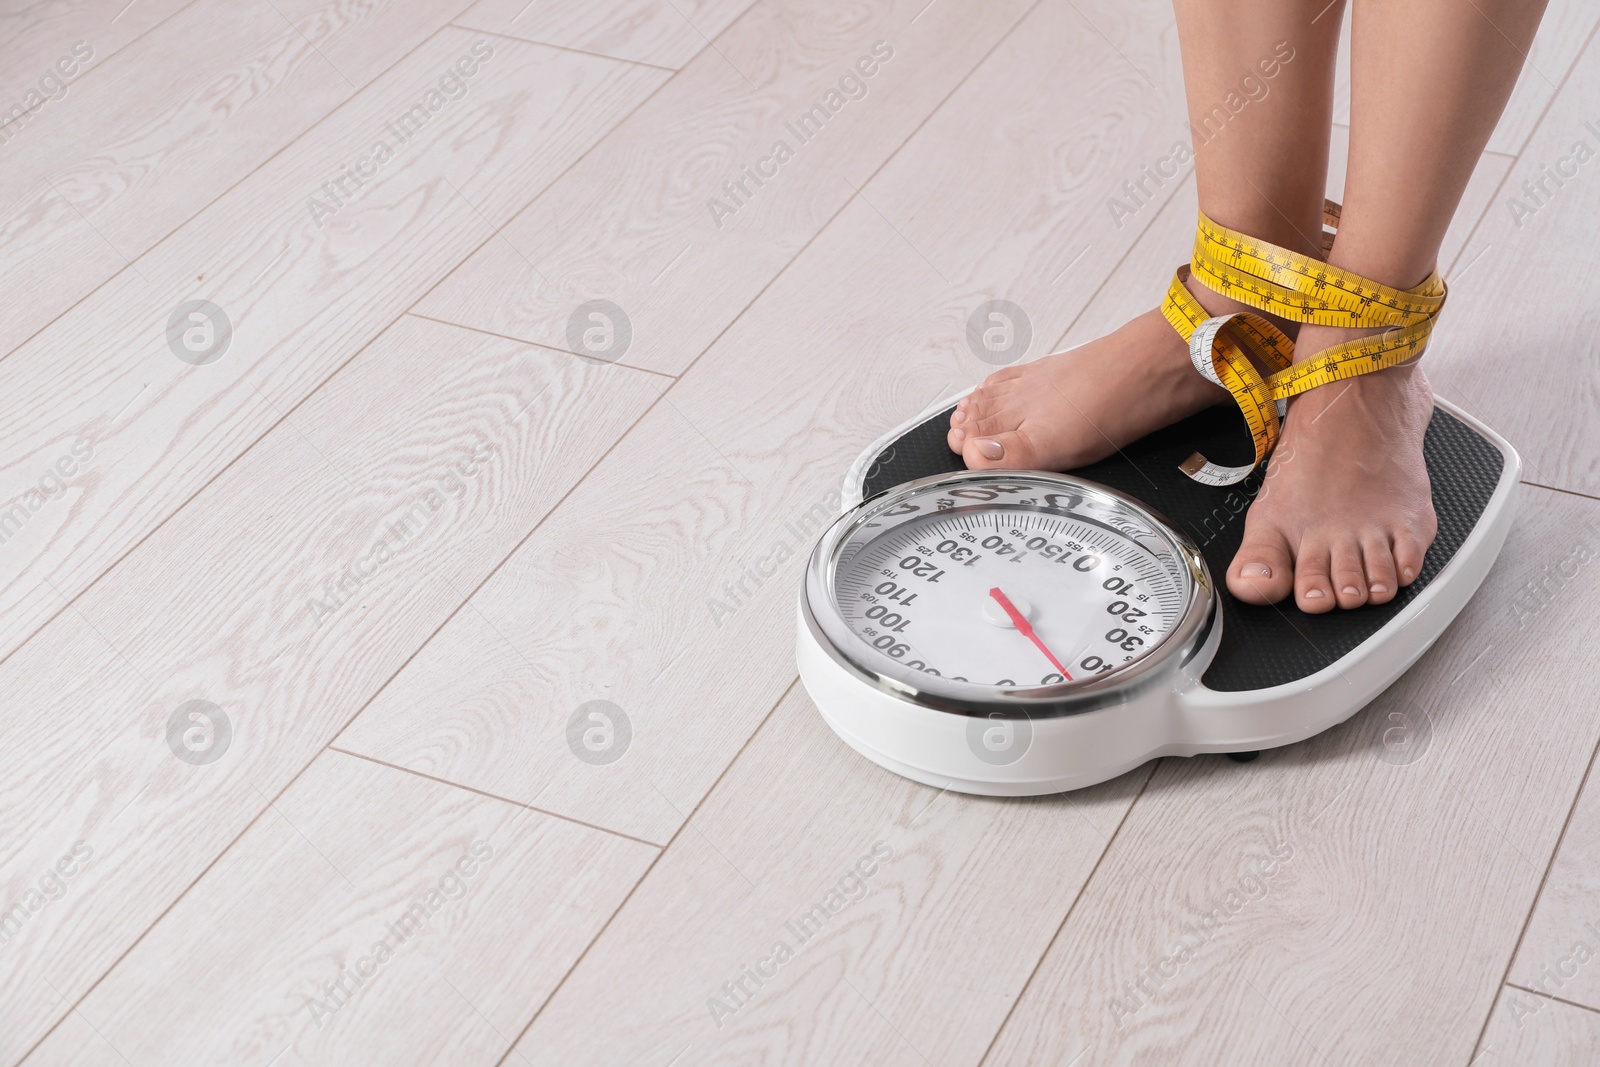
{"x": 1233, "y": 350}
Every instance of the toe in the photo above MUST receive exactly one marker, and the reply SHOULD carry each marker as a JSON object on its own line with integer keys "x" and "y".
{"x": 957, "y": 436}
{"x": 1313, "y": 577}
{"x": 968, "y": 409}
{"x": 1008, "y": 449}
{"x": 1378, "y": 559}
{"x": 1349, "y": 574}
{"x": 1262, "y": 572}
{"x": 1409, "y": 548}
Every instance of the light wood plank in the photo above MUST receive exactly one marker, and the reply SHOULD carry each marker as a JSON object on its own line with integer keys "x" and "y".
{"x": 916, "y": 959}
{"x": 419, "y": 467}
{"x": 36, "y": 33}
{"x": 166, "y": 126}
{"x": 304, "y": 293}
{"x": 363, "y": 38}
{"x": 1565, "y": 27}
{"x": 1381, "y": 935}
{"x": 1518, "y": 339}
{"x": 1530, "y": 1030}
{"x": 335, "y": 868}
{"x": 664, "y": 33}
{"x": 633, "y": 223}
{"x": 1560, "y": 952}
{"x": 649, "y": 554}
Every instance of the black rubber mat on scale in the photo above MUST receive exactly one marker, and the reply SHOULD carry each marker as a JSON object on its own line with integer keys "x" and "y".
{"x": 1261, "y": 646}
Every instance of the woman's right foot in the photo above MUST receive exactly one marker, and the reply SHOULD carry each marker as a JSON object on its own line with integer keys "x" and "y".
{"x": 1075, "y": 407}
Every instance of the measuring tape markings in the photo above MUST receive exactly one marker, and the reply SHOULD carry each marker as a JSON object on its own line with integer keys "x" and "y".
{"x": 1228, "y": 349}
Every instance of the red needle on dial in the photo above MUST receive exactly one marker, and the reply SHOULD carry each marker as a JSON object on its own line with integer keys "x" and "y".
{"x": 1025, "y": 628}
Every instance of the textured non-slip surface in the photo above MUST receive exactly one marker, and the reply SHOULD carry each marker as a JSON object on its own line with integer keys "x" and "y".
{"x": 1261, "y": 646}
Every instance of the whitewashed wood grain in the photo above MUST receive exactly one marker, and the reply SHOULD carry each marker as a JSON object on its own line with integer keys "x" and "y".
{"x": 664, "y": 33}
{"x": 442, "y": 446}
{"x": 923, "y": 949}
{"x": 1518, "y": 343}
{"x": 632, "y": 223}
{"x": 235, "y": 973}
{"x": 1525, "y": 1029}
{"x": 36, "y": 33}
{"x": 1565, "y": 28}
{"x": 363, "y": 38}
{"x": 1560, "y": 951}
{"x": 1383, "y": 935}
{"x": 737, "y": 467}
{"x": 304, "y": 293}
{"x": 158, "y": 131}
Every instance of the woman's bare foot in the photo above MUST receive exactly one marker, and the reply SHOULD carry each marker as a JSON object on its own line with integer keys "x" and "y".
{"x": 1075, "y": 407}
{"x": 1344, "y": 515}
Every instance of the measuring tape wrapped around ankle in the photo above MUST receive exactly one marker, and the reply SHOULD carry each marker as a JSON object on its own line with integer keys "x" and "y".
{"x": 1234, "y": 351}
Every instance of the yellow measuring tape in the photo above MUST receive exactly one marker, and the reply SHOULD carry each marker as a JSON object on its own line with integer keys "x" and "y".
{"x": 1234, "y": 351}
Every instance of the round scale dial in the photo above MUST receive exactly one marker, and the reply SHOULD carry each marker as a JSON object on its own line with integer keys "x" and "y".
{"x": 1007, "y": 580}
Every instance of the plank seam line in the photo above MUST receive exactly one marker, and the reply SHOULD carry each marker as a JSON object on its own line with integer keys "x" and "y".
{"x": 550, "y": 996}
{"x": 531, "y": 344}
{"x": 488, "y": 795}
{"x": 1558, "y": 489}
{"x": 562, "y": 47}
{"x": 1527, "y": 920}
{"x": 1077, "y": 898}
{"x": 1548, "y": 996}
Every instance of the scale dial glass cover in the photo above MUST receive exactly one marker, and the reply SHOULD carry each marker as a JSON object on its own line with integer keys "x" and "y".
{"x": 926, "y": 584}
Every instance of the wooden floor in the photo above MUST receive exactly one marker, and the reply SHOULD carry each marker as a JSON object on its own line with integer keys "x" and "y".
{"x": 292, "y": 630}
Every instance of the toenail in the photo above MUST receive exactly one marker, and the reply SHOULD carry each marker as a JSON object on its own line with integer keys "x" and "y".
{"x": 1380, "y": 588}
{"x": 992, "y": 449}
{"x": 1255, "y": 570}
{"x": 1408, "y": 574}
{"x": 1351, "y": 590}
{"x": 1313, "y": 594}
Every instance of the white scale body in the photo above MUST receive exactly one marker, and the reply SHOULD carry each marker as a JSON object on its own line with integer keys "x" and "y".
{"x": 947, "y": 690}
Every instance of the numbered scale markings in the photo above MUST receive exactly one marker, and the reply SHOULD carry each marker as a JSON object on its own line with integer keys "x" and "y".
{"x": 984, "y": 588}
{"x": 925, "y": 596}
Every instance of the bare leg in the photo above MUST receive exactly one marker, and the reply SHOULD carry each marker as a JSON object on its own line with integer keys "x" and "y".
{"x": 1345, "y": 515}
{"x": 1258, "y": 75}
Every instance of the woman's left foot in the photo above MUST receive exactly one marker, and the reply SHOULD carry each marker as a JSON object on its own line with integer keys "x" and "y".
{"x": 1344, "y": 515}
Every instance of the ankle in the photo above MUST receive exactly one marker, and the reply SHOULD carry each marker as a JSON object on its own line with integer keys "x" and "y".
{"x": 1379, "y": 258}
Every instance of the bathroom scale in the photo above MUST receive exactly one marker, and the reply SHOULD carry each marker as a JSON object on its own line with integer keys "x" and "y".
{"x": 1012, "y": 633}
